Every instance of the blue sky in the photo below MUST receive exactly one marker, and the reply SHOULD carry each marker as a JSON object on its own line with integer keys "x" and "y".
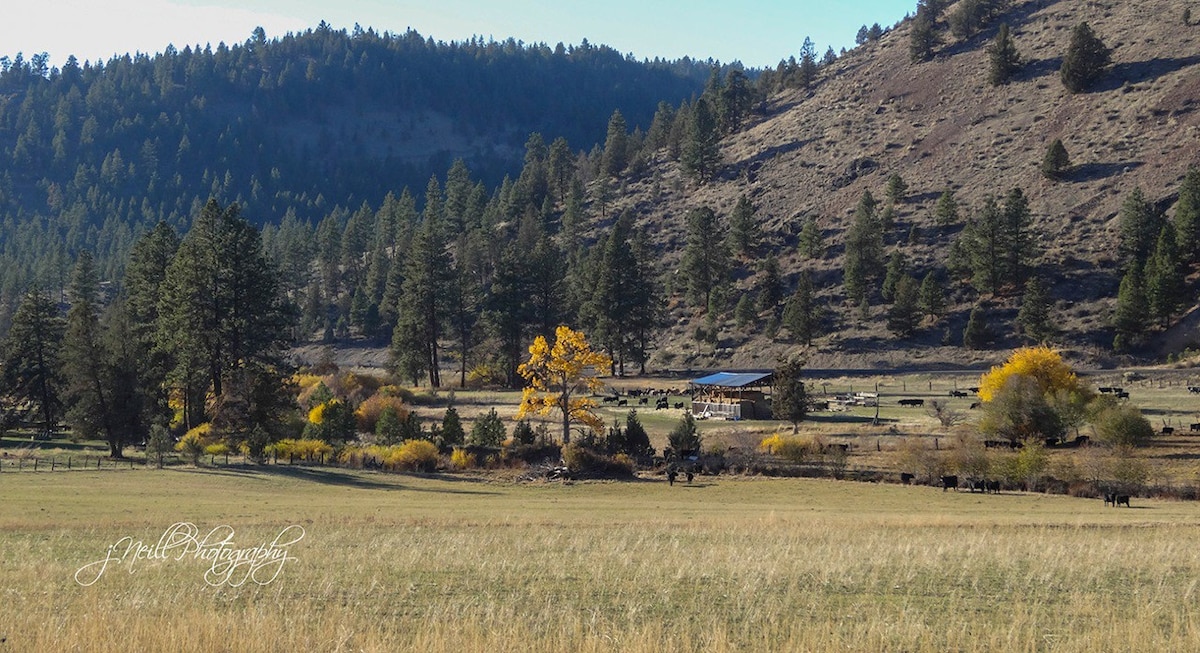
{"x": 755, "y": 32}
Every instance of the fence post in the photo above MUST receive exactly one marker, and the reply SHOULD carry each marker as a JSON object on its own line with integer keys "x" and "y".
{"x": 68, "y": 463}
{"x": 98, "y": 459}
{"x": 35, "y": 464}
{"x": 226, "y": 458}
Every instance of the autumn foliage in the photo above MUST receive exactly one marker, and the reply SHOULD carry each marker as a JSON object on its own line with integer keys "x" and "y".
{"x": 1041, "y": 364}
{"x": 557, "y": 378}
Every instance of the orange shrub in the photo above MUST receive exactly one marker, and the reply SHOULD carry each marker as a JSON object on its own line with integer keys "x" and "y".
{"x": 368, "y": 411}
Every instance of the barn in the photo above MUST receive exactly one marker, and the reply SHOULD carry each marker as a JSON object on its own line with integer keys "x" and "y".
{"x": 732, "y": 395}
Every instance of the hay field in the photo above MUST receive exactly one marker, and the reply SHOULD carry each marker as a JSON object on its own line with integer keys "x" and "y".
{"x": 453, "y": 563}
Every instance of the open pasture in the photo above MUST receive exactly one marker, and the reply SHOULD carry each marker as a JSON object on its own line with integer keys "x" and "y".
{"x": 449, "y": 563}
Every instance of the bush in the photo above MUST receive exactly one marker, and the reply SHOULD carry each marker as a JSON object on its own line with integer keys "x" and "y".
{"x": 793, "y": 448}
{"x": 488, "y": 431}
{"x": 218, "y": 449}
{"x": 684, "y": 439}
{"x": 462, "y": 459}
{"x": 193, "y": 443}
{"x": 587, "y": 462}
{"x": 1122, "y": 426}
{"x": 303, "y": 449}
{"x": 367, "y": 415}
{"x": 414, "y": 455}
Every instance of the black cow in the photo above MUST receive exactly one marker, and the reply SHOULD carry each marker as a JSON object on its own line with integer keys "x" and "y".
{"x": 1168, "y": 430}
{"x": 1194, "y": 389}
{"x": 644, "y": 400}
{"x": 623, "y": 402}
{"x": 912, "y": 402}
{"x": 1110, "y": 498}
{"x": 679, "y": 405}
{"x": 1122, "y": 499}
{"x": 976, "y": 405}
{"x": 1122, "y": 395}
{"x": 994, "y": 444}
{"x": 957, "y": 393}
{"x": 974, "y": 390}
{"x": 906, "y": 478}
{"x": 979, "y": 485}
{"x": 1195, "y": 427}
{"x": 1104, "y": 390}
{"x": 949, "y": 482}
{"x": 993, "y": 487}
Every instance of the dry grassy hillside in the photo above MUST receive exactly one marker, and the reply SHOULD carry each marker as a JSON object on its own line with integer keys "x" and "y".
{"x": 939, "y": 124}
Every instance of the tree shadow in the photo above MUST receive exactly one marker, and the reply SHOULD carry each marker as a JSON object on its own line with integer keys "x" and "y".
{"x": 338, "y": 477}
{"x": 1041, "y": 68}
{"x": 1097, "y": 171}
{"x": 1143, "y": 71}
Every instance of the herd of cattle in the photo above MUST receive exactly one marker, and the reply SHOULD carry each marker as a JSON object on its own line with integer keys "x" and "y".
{"x": 993, "y": 487}
{"x": 643, "y": 397}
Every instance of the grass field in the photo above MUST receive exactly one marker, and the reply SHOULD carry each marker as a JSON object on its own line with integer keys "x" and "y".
{"x": 453, "y": 563}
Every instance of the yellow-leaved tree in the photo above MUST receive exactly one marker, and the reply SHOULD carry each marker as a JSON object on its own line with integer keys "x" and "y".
{"x": 1041, "y": 364}
{"x": 561, "y": 378}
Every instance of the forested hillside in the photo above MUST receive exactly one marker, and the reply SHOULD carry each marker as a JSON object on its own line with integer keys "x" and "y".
{"x": 93, "y": 154}
{"x": 915, "y": 182}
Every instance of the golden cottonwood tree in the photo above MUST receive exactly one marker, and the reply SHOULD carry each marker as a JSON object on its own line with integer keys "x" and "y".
{"x": 557, "y": 378}
{"x": 1040, "y": 363}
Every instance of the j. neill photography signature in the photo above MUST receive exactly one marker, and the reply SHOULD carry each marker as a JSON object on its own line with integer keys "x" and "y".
{"x": 228, "y": 564}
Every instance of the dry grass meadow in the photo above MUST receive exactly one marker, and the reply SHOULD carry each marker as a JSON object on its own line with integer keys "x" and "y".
{"x": 452, "y": 563}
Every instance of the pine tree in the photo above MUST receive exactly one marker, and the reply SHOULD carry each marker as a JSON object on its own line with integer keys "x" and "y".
{"x": 789, "y": 395}
{"x": 743, "y": 228}
{"x": 924, "y": 37}
{"x": 808, "y": 63}
{"x": 705, "y": 262}
{"x": 1140, "y": 225}
{"x": 701, "y": 154}
{"x": 897, "y": 269}
{"x": 905, "y": 313}
{"x": 770, "y": 286}
{"x": 811, "y": 244}
{"x": 1057, "y": 162}
{"x": 1086, "y": 60}
{"x": 932, "y": 297}
{"x": 1019, "y": 245}
{"x": 801, "y": 315}
{"x": 1034, "y": 314}
{"x": 31, "y": 370}
{"x": 945, "y": 213}
{"x": 1003, "y": 59}
{"x": 88, "y": 387}
{"x": 896, "y": 188}
{"x": 984, "y": 242}
{"x": 1164, "y": 284}
{"x": 1129, "y": 317}
{"x": 1187, "y": 217}
{"x": 864, "y": 250}
{"x": 616, "y": 146}
{"x": 977, "y": 335}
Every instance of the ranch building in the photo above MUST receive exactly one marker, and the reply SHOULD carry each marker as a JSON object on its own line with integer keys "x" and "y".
{"x": 732, "y": 395}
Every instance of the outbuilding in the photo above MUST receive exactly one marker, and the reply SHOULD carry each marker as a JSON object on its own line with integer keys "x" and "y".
{"x": 732, "y": 395}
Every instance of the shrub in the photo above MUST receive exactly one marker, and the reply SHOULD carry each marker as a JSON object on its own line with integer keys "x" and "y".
{"x": 304, "y": 449}
{"x": 582, "y": 460}
{"x": 488, "y": 431}
{"x": 684, "y": 439}
{"x": 368, "y": 413}
{"x": 1122, "y": 426}
{"x": 193, "y": 443}
{"x": 793, "y": 448}
{"x": 452, "y": 430}
{"x": 462, "y": 459}
{"x": 414, "y": 455}
{"x": 218, "y": 449}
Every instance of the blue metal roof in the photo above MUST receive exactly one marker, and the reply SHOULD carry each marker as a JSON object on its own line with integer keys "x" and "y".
{"x": 732, "y": 379}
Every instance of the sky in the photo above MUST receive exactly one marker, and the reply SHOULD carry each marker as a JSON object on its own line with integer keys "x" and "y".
{"x": 758, "y": 33}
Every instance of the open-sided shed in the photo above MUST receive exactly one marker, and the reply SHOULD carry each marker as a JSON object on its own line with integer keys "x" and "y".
{"x": 733, "y": 395}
